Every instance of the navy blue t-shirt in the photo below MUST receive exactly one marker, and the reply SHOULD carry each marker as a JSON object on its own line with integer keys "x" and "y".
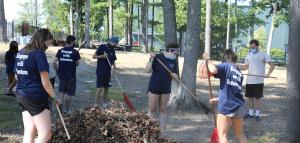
{"x": 161, "y": 79}
{"x": 103, "y": 67}
{"x": 10, "y": 58}
{"x": 230, "y": 96}
{"x": 28, "y": 67}
{"x": 67, "y": 58}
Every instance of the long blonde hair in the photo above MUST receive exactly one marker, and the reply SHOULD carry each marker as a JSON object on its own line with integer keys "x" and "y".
{"x": 38, "y": 40}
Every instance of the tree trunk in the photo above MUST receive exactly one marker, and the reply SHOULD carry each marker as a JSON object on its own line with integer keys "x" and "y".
{"x": 127, "y": 23}
{"x": 77, "y": 20}
{"x": 228, "y": 25}
{"x": 272, "y": 29}
{"x": 152, "y": 26}
{"x": 208, "y": 27}
{"x": 110, "y": 15}
{"x": 293, "y": 73}
{"x": 71, "y": 19}
{"x": 87, "y": 24}
{"x": 270, "y": 39}
{"x": 130, "y": 22}
{"x": 169, "y": 21}
{"x": 192, "y": 52}
{"x": 144, "y": 17}
{"x": 2, "y": 22}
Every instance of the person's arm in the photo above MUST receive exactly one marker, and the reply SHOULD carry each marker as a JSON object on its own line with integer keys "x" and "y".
{"x": 55, "y": 65}
{"x": 212, "y": 68}
{"x": 243, "y": 67}
{"x": 95, "y": 56}
{"x": 272, "y": 67}
{"x": 47, "y": 84}
{"x": 148, "y": 67}
{"x": 77, "y": 63}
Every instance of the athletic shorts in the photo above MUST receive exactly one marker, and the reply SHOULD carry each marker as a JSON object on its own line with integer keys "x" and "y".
{"x": 103, "y": 81}
{"x": 254, "y": 90}
{"x": 33, "y": 105}
{"x": 159, "y": 92}
{"x": 238, "y": 113}
{"x": 67, "y": 87}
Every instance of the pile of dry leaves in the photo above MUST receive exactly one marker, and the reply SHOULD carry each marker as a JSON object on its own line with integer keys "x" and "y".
{"x": 94, "y": 125}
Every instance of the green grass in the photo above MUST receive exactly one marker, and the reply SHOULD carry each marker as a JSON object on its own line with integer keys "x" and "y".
{"x": 10, "y": 114}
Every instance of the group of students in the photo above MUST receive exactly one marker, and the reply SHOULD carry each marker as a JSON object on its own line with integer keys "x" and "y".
{"x": 31, "y": 70}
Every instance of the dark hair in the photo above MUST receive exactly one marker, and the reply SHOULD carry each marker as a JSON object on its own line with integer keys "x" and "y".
{"x": 229, "y": 56}
{"x": 70, "y": 38}
{"x": 38, "y": 40}
{"x": 172, "y": 46}
{"x": 254, "y": 41}
{"x": 13, "y": 46}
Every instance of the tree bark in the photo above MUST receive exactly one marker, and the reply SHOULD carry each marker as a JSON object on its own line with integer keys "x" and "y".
{"x": 208, "y": 27}
{"x": 293, "y": 73}
{"x": 152, "y": 26}
{"x": 77, "y": 20}
{"x": 228, "y": 25}
{"x": 2, "y": 22}
{"x": 87, "y": 24}
{"x": 270, "y": 39}
{"x": 169, "y": 21}
{"x": 144, "y": 17}
{"x": 127, "y": 23}
{"x": 110, "y": 15}
{"x": 130, "y": 22}
{"x": 192, "y": 52}
{"x": 71, "y": 19}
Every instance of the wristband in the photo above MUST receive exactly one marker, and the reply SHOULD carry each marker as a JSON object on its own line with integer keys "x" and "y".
{"x": 53, "y": 98}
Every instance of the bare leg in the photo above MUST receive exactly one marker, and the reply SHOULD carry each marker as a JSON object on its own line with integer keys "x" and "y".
{"x": 223, "y": 124}
{"x": 164, "y": 98}
{"x": 68, "y": 99}
{"x": 98, "y": 99}
{"x": 29, "y": 128}
{"x": 105, "y": 95}
{"x": 153, "y": 100}
{"x": 42, "y": 123}
{"x": 238, "y": 129}
{"x": 257, "y": 104}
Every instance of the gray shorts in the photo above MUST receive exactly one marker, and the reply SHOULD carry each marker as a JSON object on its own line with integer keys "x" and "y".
{"x": 238, "y": 113}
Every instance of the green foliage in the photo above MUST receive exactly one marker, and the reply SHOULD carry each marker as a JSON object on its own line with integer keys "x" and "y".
{"x": 261, "y": 36}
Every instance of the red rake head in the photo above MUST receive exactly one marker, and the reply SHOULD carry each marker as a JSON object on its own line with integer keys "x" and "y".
{"x": 214, "y": 137}
{"x": 128, "y": 102}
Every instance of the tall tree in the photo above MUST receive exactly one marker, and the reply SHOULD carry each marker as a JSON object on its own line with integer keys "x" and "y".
{"x": 144, "y": 18}
{"x": 76, "y": 19}
{"x": 208, "y": 27}
{"x": 293, "y": 73}
{"x": 3, "y": 36}
{"x": 110, "y": 17}
{"x": 169, "y": 21}
{"x": 87, "y": 24}
{"x": 192, "y": 52}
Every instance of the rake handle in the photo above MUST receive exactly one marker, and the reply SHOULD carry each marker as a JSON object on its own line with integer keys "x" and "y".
{"x": 210, "y": 93}
{"x": 259, "y": 76}
{"x": 63, "y": 122}
{"x": 190, "y": 93}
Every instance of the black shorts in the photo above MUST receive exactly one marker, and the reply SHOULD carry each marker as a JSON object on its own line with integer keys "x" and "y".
{"x": 254, "y": 90}
{"x": 103, "y": 81}
{"x": 159, "y": 92}
{"x": 33, "y": 105}
{"x": 67, "y": 86}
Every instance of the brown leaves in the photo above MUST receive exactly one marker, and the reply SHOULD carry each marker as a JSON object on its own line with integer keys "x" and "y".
{"x": 93, "y": 125}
